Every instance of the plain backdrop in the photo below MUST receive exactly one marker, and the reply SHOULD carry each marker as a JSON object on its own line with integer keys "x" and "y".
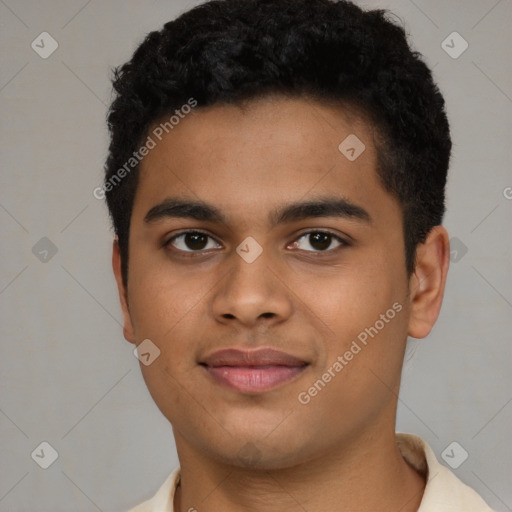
{"x": 68, "y": 378}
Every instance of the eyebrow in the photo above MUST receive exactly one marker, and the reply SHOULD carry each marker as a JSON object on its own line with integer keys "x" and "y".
{"x": 174, "y": 207}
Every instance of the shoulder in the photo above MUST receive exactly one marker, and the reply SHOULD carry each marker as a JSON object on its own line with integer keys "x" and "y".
{"x": 444, "y": 492}
{"x": 163, "y": 500}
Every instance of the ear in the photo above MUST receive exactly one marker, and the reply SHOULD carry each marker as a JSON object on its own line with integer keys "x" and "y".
{"x": 426, "y": 285}
{"x": 128, "y": 330}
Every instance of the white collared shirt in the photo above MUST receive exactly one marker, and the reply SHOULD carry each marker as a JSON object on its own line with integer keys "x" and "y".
{"x": 444, "y": 492}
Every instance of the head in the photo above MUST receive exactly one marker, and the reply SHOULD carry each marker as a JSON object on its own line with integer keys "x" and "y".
{"x": 259, "y": 119}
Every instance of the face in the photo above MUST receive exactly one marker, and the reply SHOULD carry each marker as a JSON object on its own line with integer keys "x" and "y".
{"x": 268, "y": 269}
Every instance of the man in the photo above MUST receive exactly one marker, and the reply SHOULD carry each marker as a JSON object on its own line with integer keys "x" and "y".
{"x": 276, "y": 183}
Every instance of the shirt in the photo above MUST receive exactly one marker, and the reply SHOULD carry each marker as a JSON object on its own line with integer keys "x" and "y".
{"x": 444, "y": 492}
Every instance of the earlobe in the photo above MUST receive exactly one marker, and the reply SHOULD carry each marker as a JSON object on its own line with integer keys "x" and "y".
{"x": 427, "y": 284}
{"x": 128, "y": 330}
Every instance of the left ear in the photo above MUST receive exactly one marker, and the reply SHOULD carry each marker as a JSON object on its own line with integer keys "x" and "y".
{"x": 128, "y": 330}
{"x": 427, "y": 283}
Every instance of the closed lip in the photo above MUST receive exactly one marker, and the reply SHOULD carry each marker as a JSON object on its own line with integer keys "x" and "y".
{"x": 252, "y": 358}
{"x": 253, "y": 371}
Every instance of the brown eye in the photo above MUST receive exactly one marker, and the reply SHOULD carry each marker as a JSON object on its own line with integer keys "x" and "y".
{"x": 319, "y": 241}
{"x": 192, "y": 241}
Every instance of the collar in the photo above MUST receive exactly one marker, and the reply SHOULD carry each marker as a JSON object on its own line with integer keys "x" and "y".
{"x": 444, "y": 492}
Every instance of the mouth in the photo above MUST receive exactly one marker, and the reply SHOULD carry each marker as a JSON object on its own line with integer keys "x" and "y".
{"x": 253, "y": 371}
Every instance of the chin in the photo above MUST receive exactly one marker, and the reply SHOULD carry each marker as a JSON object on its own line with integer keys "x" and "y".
{"x": 255, "y": 452}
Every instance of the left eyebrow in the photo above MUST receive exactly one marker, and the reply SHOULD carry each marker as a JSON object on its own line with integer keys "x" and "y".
{"x": 322, "y": 207}
{"x": 174, "y": 207}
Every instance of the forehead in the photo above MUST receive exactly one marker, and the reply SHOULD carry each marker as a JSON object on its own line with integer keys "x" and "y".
{"x": 250, "y": 158}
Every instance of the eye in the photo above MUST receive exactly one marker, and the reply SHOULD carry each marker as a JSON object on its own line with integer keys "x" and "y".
{"x": 192, "y": 241}
{"x": 312, "y": 241}
{"x": 319, "y": 241}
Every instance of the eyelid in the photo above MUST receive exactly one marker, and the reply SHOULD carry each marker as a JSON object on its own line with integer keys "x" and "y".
{"x": 343, "y": 241}
{"x": 185, "y": 232}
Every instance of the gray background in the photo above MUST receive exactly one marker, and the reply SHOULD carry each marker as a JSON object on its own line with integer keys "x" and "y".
{"x": 67, "y": 375}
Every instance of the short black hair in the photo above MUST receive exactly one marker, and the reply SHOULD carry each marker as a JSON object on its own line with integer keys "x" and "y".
{"x": 231, "y": 51}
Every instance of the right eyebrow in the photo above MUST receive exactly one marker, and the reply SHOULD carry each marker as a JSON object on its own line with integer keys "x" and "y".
{"x": 175, "y": 207}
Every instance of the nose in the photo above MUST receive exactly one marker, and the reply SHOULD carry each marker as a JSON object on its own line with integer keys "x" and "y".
{"x": 252, "y": 293}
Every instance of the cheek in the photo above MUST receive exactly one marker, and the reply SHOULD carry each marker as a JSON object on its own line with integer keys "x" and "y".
{"x": 353, "y": 298}
{"x": 160, "y": 297}
{"x": 366, "y": 310}
{"x": 360, "y": 379}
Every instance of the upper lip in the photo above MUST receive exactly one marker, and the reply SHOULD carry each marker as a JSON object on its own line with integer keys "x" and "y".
{"x": 248, "y": 358}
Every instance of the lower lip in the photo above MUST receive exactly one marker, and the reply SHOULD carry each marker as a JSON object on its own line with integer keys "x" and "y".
{"x": 254, "y": 379}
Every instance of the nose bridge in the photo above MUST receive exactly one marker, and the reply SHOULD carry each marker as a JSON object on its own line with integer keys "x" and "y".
{"x": 250, "y": 276}
{"x": 250, "y": 290}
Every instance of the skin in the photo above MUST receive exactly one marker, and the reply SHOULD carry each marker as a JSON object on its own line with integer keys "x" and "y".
{"x": 337, "y": 452}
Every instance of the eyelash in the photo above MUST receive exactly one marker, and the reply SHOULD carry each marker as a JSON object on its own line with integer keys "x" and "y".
{"x": 191, "y": 253}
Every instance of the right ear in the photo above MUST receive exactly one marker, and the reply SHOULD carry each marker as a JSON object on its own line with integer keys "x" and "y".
{"x": 128, "y": 330}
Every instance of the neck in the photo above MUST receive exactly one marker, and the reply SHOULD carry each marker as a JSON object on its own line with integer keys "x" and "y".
{"x": 369, "y": 475}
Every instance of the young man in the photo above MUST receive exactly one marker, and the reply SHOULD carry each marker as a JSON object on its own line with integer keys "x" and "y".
{"x": 276, "y": 182}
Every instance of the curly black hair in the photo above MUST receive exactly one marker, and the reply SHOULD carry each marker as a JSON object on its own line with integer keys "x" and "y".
{"x": 231, "y": 51}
